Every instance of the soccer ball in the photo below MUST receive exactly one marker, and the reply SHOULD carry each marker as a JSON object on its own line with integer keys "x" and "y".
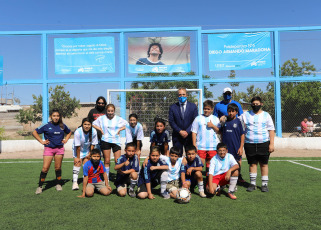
{"x": 183, "y": 195}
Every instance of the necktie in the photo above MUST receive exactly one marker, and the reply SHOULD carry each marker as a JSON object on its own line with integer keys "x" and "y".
{"x": 182, "y": 110}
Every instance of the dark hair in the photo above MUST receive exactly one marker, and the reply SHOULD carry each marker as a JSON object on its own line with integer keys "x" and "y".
{"x": 233, "y": 106}
{"x": 94, "y": 151}
{"x": 161, "y": 120}
{"x": 101, "y": 98}
{"x": 87, "y": 119}
{"x": 61, "y": 124}
{"x": 175, "y": 150}
{"x": 190, "y": 148}
{"x": 131, "y": 144}
{"x": 133, "y": 115}
{"x": 155, "y": 149}
{"x": 257, "y": 98}
{"x": 221, "y": 145}
{"x": 160, "y": 49}
{"x": 208, "y": 103}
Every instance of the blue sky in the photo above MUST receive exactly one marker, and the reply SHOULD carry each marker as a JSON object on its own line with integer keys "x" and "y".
{"x": 102, "y": 14}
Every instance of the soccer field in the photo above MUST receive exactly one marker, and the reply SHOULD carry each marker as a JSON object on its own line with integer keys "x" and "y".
{"x": 293, "y": 202}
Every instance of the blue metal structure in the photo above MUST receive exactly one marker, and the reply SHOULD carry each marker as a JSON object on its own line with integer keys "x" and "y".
{"x": 122, "y": 78}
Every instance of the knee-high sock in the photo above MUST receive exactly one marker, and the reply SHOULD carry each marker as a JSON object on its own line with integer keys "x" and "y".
{"x": 233, "y": 181}
{"x": 42, "y": 178}
{"x": 75, "y": 173}
{"x": 265, "y": 180}
{"x": 164, "y": 177}
{"x": 253, "y": 178}
{"x": 58, "y": 176}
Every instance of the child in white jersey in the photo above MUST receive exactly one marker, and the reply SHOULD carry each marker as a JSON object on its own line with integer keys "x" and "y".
{"x": 223, "y": 170}
{"x": 85, "y": 139}
{"x": 259, "y": 142}
{"x": 135, "y": 133}
{"x": 110, "y": 126}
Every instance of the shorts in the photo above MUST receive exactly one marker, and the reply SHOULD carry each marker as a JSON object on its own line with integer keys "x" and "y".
{"x": 141, "y": 143}
{"x": 97, "y": 186}
{"x": 154, "y": 182}
{"x": 53, "y": 151}
{"x": 220, "y": 179}
{"x": 191, "y": 179}
{"x": 263, "y": 159}
{"x": 107, "y": 146}
{"x": 172, "y": 185}
{"x": 124, "y": 183}
{"x": 207, "y": 155}
{"x": 257, "y": 152}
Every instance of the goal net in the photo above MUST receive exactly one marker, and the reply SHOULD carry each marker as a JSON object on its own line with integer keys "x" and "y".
{"x": 149, "y": 104}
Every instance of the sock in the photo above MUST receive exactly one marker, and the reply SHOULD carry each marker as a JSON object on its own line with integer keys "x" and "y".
{"x": 75, "y": 174}
{"x": 164, "y": 181}
{"x": 201, "y": 186}
{"x": 107, "y": 171}
{"x": 58, "y": 176}
{"x": 133, "y": 183}
{"x": 265, "y": 180}
{"x": 233, "y": 181}
{"x": 42, "y": 178}
{"x": 253, "y": 178}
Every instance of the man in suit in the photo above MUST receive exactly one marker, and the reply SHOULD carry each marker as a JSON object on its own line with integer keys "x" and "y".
{"x": 181, "y": 117}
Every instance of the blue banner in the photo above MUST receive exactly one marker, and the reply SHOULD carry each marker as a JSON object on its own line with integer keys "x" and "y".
{"x": 84, "y": 55}
{"x": 1, "y": 70}
{"x": 237, "y": 51}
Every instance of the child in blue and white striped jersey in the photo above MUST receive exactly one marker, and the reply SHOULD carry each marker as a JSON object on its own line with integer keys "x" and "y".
{"x": 135, "y": 133}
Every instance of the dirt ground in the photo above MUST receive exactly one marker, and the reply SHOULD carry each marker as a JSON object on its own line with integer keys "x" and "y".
{"x": 68, "y": 154}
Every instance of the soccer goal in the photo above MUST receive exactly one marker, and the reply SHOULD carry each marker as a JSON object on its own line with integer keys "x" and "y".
{"x": 150, "y": 103}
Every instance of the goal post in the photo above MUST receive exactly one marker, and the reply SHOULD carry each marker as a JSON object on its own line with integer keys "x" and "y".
{"x": 149, "y": 103}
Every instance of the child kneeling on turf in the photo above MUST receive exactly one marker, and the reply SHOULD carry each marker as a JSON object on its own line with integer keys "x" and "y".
{"x": 154, "y": 173}
{"x": 223, "y": 170}
{"x": 127, "y": 167}
{"x": 191, "y": 172}
{"x": 92, "y": 170}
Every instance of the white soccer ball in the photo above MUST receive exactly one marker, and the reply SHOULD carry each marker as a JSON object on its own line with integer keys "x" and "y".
{"x": 183, "y": 195}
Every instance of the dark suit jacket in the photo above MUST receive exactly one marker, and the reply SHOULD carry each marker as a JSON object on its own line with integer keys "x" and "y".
{"x": 176, "y": 121}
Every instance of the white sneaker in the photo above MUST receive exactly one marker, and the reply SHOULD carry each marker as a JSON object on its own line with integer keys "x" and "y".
{"x": 202, "y": 194}
{"x": 58, "y": 187}
{"x": 39, "y": 190}
{"x": 75, "y": 186}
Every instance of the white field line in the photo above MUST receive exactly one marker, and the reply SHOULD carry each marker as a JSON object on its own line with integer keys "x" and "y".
{"x": 29, "y": 162}
{"x": 308, "y": 166}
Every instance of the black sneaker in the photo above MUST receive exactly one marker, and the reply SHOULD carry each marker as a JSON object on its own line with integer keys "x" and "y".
{"x": 264, "y": 188}
{"x": 251, "y": 188}
{"x": 131, "y": 193}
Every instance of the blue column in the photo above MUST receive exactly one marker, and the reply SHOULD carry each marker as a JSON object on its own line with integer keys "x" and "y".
{"x": 122, "y": 62}
{"x": 45, "y": 99}
{"x": 200, "y": 68}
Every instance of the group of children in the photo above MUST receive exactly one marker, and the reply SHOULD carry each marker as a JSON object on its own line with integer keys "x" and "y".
{"x": 163, "y": 167}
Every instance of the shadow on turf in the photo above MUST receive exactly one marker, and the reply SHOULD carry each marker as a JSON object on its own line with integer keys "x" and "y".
{"x": 52, "y": 183}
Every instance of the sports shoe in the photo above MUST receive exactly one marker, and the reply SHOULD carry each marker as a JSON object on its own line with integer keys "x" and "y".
{"x": 166, "y": 195}
{"x": 58, "y": 187}
{"x": 75, "y": 186}
{"x": 264, "y": 188}
{"x": 231, "y": 195}
{"x": 202, "y": 194}
{"x": 39, "y": 190}
{"x": 218, "y": 191}
{"x": 251, "y": 188}
{"x": 131, "y": 193}
{"x": 240, "y": 179}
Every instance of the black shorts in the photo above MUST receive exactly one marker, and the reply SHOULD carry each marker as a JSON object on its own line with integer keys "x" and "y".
{"x": 257, "y": 152}
{"x": 106, "y": 146}
{"x": 141, "y": 143}
{"x": 154, "y": 182}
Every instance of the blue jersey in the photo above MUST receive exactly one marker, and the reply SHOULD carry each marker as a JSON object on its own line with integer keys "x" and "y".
{"x": 53, "y": 133}
{"x": 146, "y": 175}
{"x": 195, "y": 163}
{"x": 133, "y": 164}
{"x": 231, "y": 135}
{"x": 160, "y": 138}
{"x": 220, "y": 108}
{"x": 94, "y": 174}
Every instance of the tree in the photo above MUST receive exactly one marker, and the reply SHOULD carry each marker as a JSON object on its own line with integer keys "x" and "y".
{"x": 59, "y": 98}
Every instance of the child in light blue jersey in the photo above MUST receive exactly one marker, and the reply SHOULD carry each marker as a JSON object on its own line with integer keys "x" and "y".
{"x": 135, "y": 133}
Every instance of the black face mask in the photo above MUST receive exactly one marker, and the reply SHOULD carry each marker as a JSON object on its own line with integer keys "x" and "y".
{"x": 95, "y": 162}
{"x": 100, "y": 107}
{"x": 256, "y": 108}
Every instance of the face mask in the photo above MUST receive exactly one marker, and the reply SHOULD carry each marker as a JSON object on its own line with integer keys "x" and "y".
{"x": 100, "y": 107}
{"x": 256, "y": 108}
{"x": 227, "y": 97}
{"x": 182, "y": 99}
{"x": 95, "y": 162}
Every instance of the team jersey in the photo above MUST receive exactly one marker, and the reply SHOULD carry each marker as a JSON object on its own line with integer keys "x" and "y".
{"x": 160, "y": 138}
{"x": 146, "y": 175}
{"x": 146, "y": 61}
{"x": 220, "y": 108}
{"x": 231, "y": 135}
{"x": 257, "y": 126}
{"x": 133, "y": 164}
{"x": 219, "y": 166}
{"x": 92, "y": 172}
{"x": 195, "y": 163}
{"x": 53, "y": 133}
{"x": 81, "y": 139}
{"x": 135, "y": 133}
{"x": 206, "y": 138}
{"x": 110, "y": 128}
{"x": 173, "y": 171}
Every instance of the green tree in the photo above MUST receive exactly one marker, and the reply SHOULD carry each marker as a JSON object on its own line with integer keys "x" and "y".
{"x": 59, "y": 98}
